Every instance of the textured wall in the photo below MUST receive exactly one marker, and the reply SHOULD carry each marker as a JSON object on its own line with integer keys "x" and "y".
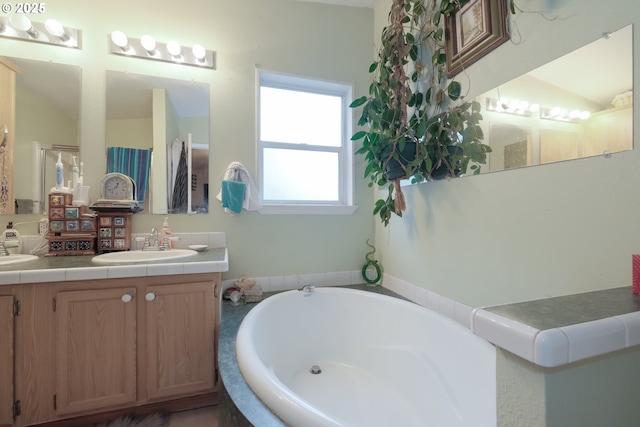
{"x": 323, "y": 41}
{"x": 601, "y": 391}
{"x": 529, "y": 233}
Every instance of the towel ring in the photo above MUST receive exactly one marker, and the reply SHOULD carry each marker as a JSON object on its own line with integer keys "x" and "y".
{"x": 236, "y": 173}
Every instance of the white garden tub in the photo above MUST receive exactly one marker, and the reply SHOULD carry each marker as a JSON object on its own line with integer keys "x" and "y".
{"x": 383, "y": 361}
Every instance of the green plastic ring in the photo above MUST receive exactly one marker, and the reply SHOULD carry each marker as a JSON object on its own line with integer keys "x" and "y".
{"x": 378, "y": 272}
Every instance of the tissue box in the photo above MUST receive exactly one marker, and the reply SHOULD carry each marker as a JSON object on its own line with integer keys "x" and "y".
{"x": 635, "y": 265}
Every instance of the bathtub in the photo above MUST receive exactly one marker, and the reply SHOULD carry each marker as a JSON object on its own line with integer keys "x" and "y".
{"x": 345, "y": 357}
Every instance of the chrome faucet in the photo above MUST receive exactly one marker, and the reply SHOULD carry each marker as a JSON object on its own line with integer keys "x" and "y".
{"x": 307, "y": 290}
{"x": 154, "y": 236}
{"x": 151, "y": 242}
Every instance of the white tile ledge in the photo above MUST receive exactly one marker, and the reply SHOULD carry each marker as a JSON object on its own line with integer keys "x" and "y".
{"x": 558, "y": 346}
{"x": 93, "y": 272}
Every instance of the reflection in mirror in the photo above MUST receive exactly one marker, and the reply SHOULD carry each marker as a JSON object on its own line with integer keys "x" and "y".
{"x": 47, "y": 116}
{"x": 579, "y": 105}
{"x": 148, "y": 112}
{"x": 44, "y": 173}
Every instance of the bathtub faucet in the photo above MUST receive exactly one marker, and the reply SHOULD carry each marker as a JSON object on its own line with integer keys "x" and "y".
{"x": 307, "y": 290}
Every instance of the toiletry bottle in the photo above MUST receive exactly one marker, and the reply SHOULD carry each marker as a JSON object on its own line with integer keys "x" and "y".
{"x": 166, "y": 233}
{"x": 75, "y": 174}
{"x": 59, "y": 172}
{"x": 11, "y": 239}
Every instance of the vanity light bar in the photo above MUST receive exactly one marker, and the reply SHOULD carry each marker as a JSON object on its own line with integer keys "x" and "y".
{"x": 564, "y": 115}
{"x": 523, "y": 108}
{"x": 20, "y": 27}
{"x": 511, "y": 106}
{"x": 147, "y": 48}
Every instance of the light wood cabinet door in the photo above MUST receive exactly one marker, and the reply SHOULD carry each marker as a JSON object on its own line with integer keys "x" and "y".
{"x": 96, "y": 349}
{"x": 179, "y": 339}
{"x": 6, "y": 360}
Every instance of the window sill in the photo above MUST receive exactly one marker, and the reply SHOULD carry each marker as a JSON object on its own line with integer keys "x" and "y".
{"x": 307, "y": 210}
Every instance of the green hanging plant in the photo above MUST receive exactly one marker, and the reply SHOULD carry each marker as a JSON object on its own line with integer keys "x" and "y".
{"x": 417, "y": 126}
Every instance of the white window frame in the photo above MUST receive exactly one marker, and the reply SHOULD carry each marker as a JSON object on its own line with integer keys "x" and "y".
{"x": 345, "y": 204}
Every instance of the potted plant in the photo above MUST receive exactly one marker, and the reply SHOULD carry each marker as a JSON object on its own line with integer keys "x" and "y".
{"x": 414, "y": 128}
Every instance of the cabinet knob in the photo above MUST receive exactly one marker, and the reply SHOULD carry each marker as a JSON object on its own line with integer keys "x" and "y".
{"x": 150, "y": 296}
{"x": 127, "y": 298}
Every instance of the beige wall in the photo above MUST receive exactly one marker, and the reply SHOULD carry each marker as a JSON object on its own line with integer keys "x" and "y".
{"x": 308, "y": 39}
{"x": 530, "y": 233}
{"x": 38, "y": 120}
{"x": 482, "y": 240}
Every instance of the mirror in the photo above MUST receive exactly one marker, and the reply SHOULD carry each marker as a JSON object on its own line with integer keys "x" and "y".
{"x": 577, "y": 106}
{"x": 163, "y": 115}
{"x": 47, "y": 117}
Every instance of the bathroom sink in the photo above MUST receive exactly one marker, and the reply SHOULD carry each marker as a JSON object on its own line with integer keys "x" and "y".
{"x": 130, "y": 257}
{"x": 16, "y": 259}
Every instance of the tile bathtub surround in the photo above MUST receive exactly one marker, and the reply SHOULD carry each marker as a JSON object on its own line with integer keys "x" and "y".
{"x": 459, "y": 312}
{"x": 556, "y": 331}
{"x": 583, "y": 325}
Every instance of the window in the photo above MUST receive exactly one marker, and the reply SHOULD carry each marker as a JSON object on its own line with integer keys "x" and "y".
{"x": 304, "y": 147}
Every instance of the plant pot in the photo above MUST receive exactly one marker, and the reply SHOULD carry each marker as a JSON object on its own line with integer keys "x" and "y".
{"x": 396, "y": 169}
{"x": 443, "y": 171}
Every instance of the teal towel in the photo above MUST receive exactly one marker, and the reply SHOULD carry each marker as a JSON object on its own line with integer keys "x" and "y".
{"x": 233, "y": 195}
{"x": 134, "y": 163}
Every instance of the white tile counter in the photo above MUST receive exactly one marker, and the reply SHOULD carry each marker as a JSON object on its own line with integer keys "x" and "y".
{"x": 557, "y": 331}
{"x": 67, "y": 268}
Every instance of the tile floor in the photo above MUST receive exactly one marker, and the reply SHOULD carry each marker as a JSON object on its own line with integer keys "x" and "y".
{"x": 203, "y": 417}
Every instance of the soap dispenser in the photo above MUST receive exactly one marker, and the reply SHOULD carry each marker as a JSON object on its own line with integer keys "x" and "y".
{"x": 166, "y": 233}
{"x": 12, "y": 240}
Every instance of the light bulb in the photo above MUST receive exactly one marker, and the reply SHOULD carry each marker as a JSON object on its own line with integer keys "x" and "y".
{"x": 22, "y": 23}
{"x": 148, "y": 43}
{"x": 585, "y": 115}
{"x": 174, "y": 48}
{"x": 555, "y": 112}
{"x": 54, "y": 27}
{"x": 120, "y": 39}
{"x": 199, "y": 51}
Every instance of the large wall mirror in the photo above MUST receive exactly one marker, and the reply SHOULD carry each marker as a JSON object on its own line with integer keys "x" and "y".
{"x": 577, "y": 106}
{"x": 47, "y": 122}
{"x": 171, "y": 118}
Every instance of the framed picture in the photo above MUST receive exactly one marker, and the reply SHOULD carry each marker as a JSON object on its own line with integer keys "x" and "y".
{"x": 474, "y": 30}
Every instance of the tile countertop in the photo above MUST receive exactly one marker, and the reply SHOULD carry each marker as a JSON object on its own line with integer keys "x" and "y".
{"x": 66, "y": 268}
{"x": 557, "y": 331}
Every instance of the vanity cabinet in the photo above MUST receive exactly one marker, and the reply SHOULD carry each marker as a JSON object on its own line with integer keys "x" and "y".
{"x": 114, "y": 344}
{"x": 6, "y": 360}
{"x": 95, "y": 349}
{"x": 178, "y": 339}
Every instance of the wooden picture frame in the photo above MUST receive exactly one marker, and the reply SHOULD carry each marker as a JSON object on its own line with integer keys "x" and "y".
{"x": 474, "y": 30}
